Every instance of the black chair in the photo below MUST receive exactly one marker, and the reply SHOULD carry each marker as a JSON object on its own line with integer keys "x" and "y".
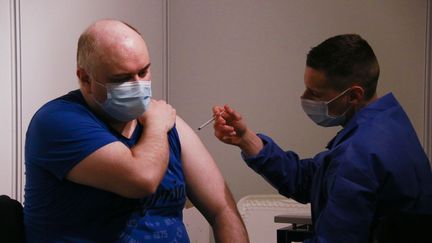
{"x": 399, "y": 227}
{"x": 404, "y": 227}
{"x": 294, "y": 233}
{"x": 11, "y": 220}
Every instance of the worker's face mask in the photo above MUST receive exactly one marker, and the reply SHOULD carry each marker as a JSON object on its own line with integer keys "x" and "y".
{"x": 126, "y": 101}
{"x": 318, "y": 111}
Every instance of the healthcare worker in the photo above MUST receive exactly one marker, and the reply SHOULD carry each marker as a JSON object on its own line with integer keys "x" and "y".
{"x": 375, "y": 166}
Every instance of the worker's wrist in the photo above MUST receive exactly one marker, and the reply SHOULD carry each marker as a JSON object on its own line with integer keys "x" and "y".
{"x": 250, "y": 144}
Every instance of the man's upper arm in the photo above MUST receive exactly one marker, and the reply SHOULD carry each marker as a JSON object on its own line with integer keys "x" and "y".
{"x": 205, "y": 184}
{"x": 61, "y": 135}
{"x": 108, "y": 168}
{"x": 207, "y": 189}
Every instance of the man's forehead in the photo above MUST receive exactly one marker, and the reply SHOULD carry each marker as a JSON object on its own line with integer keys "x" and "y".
{"x": 128, "y": 43}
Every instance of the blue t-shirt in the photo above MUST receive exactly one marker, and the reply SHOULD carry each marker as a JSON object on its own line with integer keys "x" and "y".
{"x": 373, "y": 167}
{"x": 61, "y": 134}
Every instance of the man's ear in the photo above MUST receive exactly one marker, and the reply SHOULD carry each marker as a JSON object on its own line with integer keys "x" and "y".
{"x": 84, "y": 80}
{"x": 357, "y": 95}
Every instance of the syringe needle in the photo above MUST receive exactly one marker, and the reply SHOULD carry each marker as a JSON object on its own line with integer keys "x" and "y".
{"x": 209, "y": 121}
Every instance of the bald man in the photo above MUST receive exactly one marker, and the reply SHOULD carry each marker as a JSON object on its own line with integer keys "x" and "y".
{"x": 106, "y": 163}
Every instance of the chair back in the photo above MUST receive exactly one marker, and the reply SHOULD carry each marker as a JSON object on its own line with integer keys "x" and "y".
{"x": 11, "y": 220}
{"x": 404, "y": 227}
{"x": 258, "y": 213}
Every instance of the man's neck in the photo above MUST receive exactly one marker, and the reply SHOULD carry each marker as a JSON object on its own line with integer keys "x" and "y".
{"x": 371, "y": 100}
{"x": 366, "y": 102}
{"x": 126, "y": 129}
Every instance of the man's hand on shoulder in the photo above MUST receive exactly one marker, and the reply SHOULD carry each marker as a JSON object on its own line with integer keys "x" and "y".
{"x": 159, "y": 117}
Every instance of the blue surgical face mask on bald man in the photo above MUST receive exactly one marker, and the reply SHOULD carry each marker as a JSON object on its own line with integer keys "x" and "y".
{"x": 126, "y": 101}
{"x": 318, "y": 111}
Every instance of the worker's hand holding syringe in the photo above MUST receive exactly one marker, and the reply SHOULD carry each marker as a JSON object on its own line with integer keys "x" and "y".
{"x": 230, "y": 128}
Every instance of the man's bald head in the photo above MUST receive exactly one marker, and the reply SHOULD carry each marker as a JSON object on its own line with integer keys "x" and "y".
{"x": 105, "y": 38}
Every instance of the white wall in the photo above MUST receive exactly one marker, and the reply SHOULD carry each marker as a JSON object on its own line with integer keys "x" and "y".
{"x": 251, "y": 54}
{"x": 6, "y": 129}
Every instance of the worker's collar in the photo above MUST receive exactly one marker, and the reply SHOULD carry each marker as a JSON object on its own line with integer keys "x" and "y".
{"x": 361, "y": 116}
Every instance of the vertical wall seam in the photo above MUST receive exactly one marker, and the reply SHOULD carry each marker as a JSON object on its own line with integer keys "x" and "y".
{"x": 17, "y": 167}
{"x": 427, "y": 140}
{"x": 20, "y": 151}
{"x": 13, "y": 82}
{"x": 165, "y": 52}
